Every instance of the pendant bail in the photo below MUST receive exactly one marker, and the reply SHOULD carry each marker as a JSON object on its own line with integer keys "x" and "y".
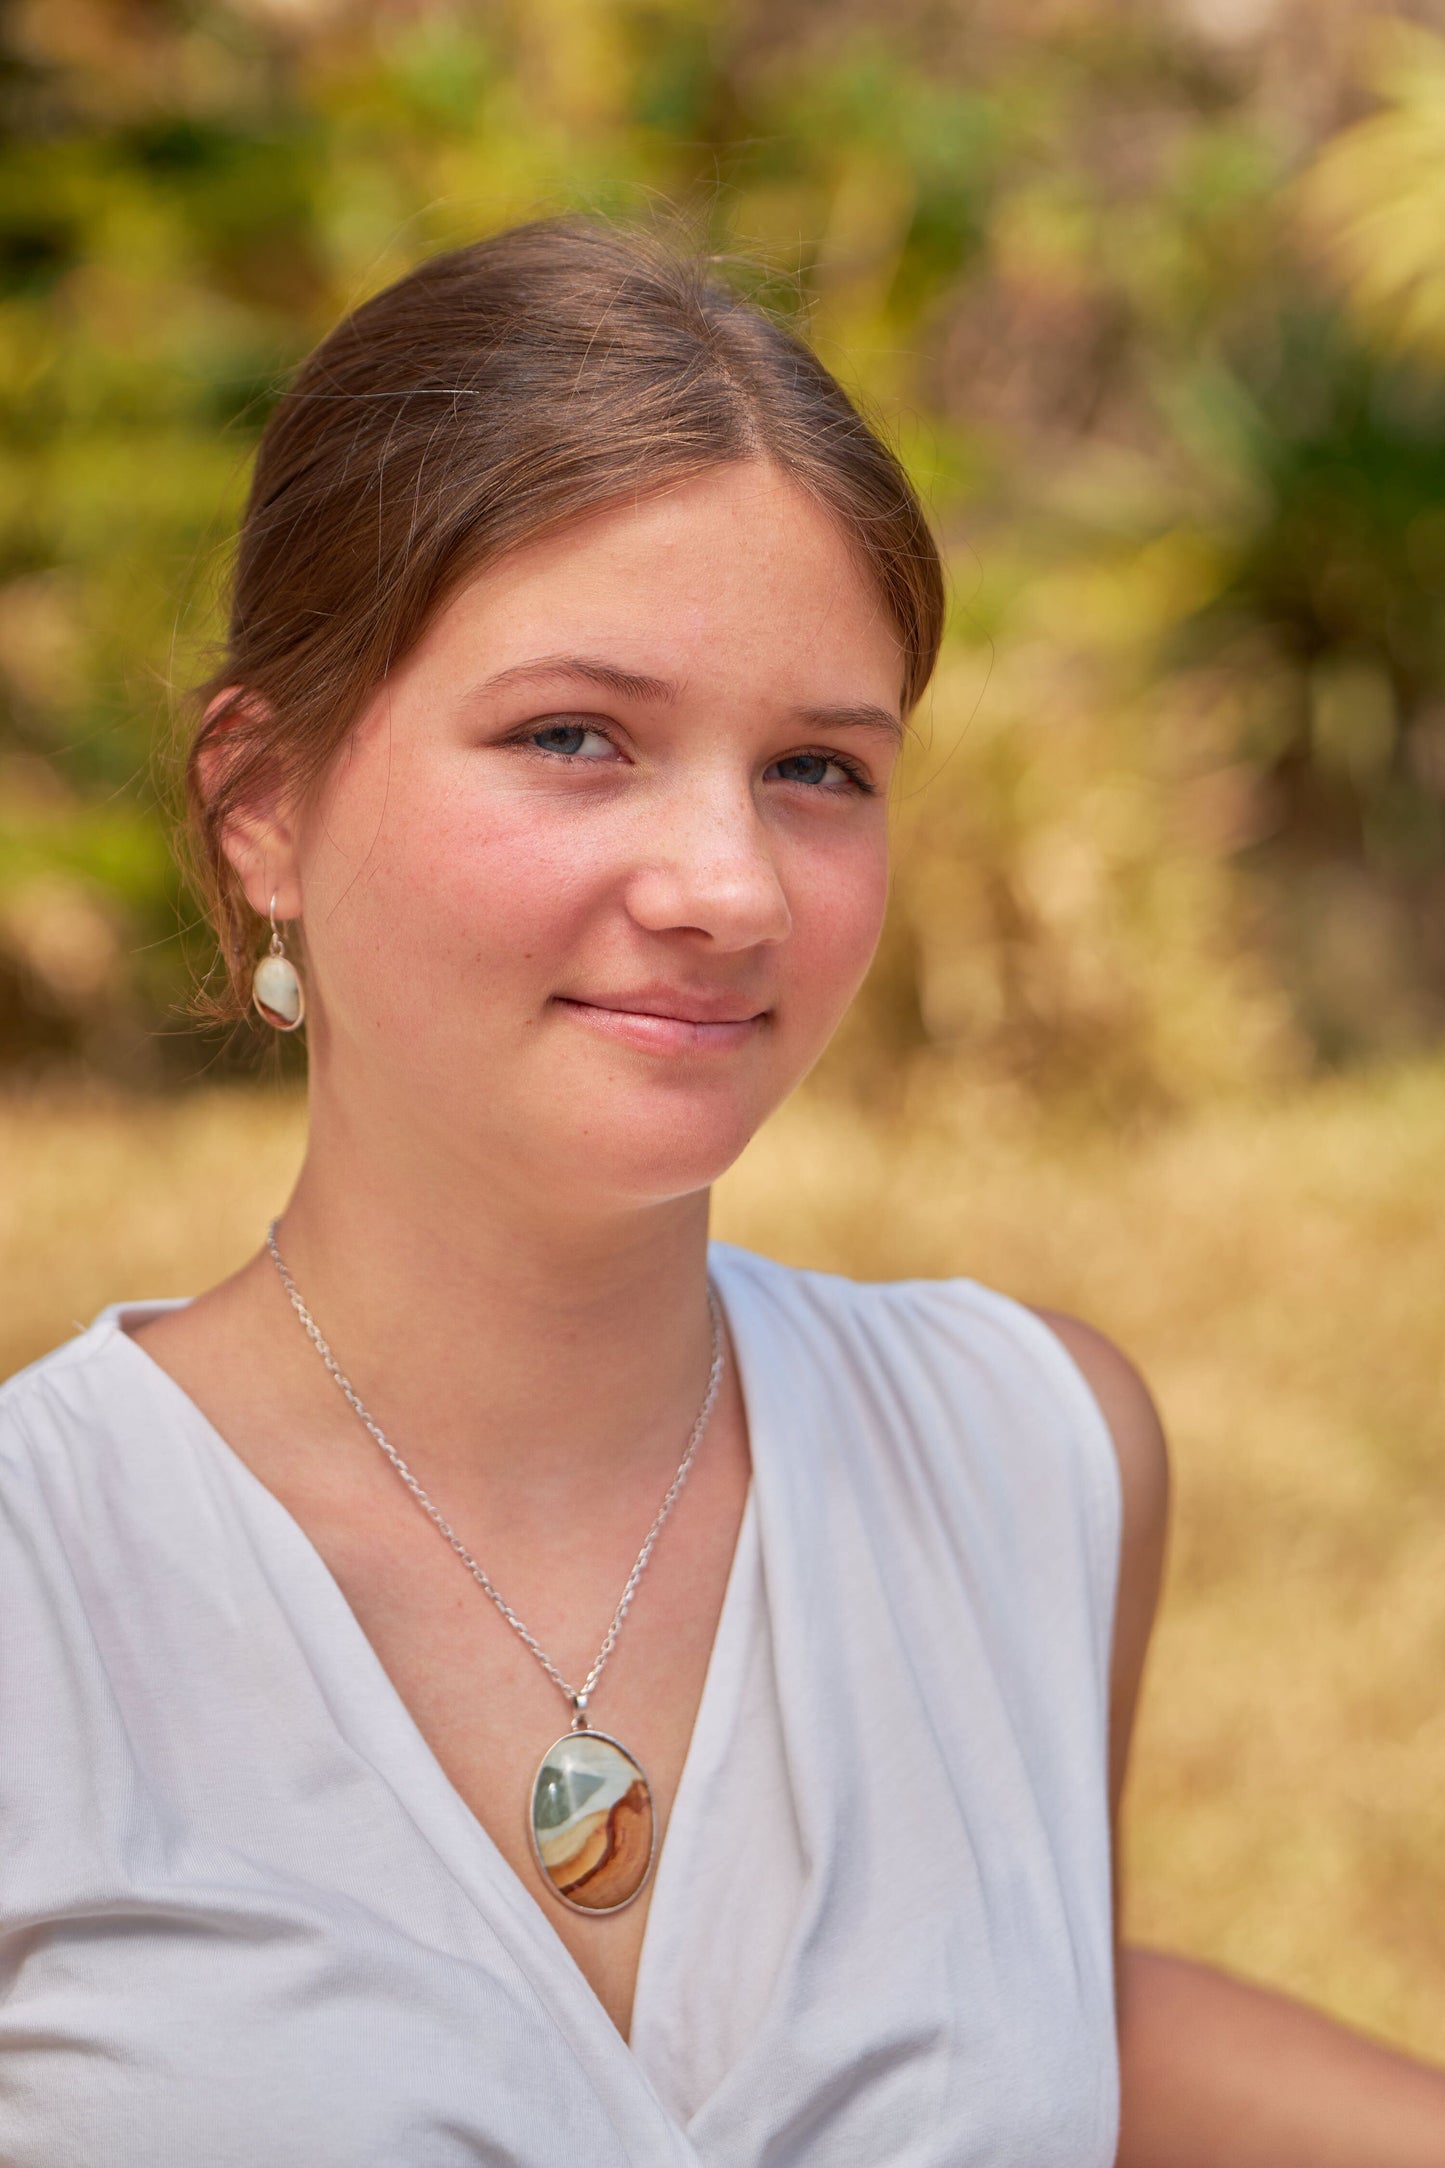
{"x": 579, "y": 1707}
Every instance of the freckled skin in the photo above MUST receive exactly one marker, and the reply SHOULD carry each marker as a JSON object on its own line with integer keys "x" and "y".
{"x": 455, "y": 881}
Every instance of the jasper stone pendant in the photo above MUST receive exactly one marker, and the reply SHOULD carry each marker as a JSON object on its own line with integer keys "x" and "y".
{"x": 593, "y": 1828}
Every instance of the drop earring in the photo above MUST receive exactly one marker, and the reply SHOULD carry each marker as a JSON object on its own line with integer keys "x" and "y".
{"x": 276, "y": 984}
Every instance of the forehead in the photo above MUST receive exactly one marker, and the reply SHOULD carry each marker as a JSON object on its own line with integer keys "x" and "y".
{"x": 735, "y": 575}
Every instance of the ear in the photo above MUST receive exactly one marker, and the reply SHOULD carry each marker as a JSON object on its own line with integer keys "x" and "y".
{"x": 259, "y": 837}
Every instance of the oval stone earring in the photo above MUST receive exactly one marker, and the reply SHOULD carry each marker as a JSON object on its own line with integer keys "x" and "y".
{"x": 276, "y": 984}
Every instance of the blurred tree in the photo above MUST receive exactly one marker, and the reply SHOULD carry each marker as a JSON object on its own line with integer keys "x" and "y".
{"x": 1149, "y": 297}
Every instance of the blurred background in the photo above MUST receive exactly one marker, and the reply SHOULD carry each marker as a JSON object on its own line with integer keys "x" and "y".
{"x": 1152, "y": 298}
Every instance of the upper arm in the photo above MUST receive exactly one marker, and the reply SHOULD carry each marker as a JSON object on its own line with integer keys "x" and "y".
{"x": 1143, "y": 1459}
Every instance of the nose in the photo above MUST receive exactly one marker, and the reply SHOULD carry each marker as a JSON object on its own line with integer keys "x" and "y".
{"x": 707, "y": 866}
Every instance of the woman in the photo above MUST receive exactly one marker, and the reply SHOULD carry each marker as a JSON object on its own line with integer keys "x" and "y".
{"x": 577, "y": 620}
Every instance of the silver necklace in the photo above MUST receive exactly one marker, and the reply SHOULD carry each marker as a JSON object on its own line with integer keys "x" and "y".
{"x": 592, "y": 1825}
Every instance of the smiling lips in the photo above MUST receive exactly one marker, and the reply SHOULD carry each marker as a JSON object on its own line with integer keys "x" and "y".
{"x": 665, "y": 1020}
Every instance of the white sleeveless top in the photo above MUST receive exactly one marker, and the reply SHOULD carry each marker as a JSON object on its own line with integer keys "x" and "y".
{"x": 245, "y": 1918}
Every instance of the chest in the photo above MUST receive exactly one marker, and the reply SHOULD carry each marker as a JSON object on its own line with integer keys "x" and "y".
{"x": 483, "y": 1703}
{"x": 300, "y": 1942}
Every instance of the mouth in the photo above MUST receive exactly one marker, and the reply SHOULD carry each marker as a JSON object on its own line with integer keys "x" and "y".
{"x": 667, "y": 1022}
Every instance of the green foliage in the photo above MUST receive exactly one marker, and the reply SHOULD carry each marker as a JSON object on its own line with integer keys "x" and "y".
{"x": 1159, "y": 345}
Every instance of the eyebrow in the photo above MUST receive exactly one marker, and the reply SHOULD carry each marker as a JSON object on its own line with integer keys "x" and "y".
{"x": 633, "y": 685}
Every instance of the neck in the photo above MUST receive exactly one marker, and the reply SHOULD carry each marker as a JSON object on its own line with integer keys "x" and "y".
{"x": 544, "y": 1356}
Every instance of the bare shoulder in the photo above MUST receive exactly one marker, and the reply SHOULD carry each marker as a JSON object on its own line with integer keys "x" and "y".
{"x": 1142, "y": 1453}
{"x": 1129, "y": 1410}
{"x": 208, "y": 1348}
{"x": 192, "y": 1344}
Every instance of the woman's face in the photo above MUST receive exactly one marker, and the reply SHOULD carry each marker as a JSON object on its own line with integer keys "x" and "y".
{"x": 604, "y": 860}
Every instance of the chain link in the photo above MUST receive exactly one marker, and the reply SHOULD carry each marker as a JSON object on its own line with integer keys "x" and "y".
{"x": 578, "y": 1696}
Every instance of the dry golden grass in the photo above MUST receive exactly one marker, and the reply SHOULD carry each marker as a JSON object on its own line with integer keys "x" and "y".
{"x": 1277, "y": 1272}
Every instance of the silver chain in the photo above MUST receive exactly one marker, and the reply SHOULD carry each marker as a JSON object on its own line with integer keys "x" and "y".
{"x": 578, "y": 1696}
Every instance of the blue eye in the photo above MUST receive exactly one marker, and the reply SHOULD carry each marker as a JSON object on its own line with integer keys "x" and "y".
{"x": 812, "y": 769}
{"x": 566, "y": 740}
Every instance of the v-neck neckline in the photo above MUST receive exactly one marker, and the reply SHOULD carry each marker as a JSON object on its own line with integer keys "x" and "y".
{"x": 717, "y": 1704}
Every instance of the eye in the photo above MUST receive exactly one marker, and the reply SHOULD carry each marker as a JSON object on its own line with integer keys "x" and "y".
{"x": 813, "y": 770}
{"x": 570, "y": 741}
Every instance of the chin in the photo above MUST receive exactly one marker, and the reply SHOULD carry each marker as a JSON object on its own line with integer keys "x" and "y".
{"x": 650, "y": 1155}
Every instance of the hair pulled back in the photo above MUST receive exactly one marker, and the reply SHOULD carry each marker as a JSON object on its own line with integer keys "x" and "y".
{"x": 494, "y": 392}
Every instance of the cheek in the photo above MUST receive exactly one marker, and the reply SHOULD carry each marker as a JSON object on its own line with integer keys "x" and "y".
{"x": 838, "y": 899}
{"x": 504, "y": 890}
{"x": 425, "y": 889}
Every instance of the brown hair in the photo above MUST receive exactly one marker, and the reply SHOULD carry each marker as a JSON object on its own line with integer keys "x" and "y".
{"x": 496, "y": 391}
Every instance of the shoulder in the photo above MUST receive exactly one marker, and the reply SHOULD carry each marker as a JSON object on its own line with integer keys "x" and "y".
{"x": 25, "y": 1392}
{"x": 52, "y": 1406}
{"x": 1025, "y": 1407}
{"x": 1145, "y": 1484}
{"x": 33, "y": 1422}
{"x": 1128, "y": 1409}
{"x": 49, "y": 1371}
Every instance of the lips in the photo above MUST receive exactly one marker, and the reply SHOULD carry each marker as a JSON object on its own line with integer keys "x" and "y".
{"x": 668, "y": 1020}
{"x": 683, "y": 1007}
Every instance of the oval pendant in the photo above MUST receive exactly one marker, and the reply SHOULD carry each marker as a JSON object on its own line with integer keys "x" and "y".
{"x": 276, "y": 991}
{"x": 593, "y": 1829}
